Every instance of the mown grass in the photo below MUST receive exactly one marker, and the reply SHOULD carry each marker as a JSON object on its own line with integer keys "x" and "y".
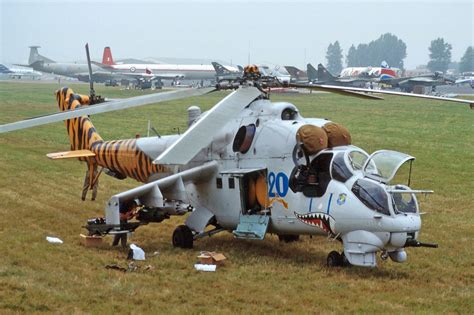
{"x": 39, "y": 197}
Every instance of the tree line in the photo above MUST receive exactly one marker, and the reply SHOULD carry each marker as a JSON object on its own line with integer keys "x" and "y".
{"x": 391, "y": 49}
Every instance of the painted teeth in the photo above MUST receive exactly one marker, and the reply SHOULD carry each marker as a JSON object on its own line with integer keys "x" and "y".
{"x": 316, "y": 219}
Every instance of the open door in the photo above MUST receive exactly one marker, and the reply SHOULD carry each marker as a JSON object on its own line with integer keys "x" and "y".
{"x": 255, "y": 213}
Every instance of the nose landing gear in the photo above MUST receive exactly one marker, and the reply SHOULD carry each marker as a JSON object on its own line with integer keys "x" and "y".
{"x": 336, "y": 259}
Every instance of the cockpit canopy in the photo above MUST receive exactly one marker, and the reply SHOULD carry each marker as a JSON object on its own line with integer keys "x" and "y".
{"x": 383, "y": 165}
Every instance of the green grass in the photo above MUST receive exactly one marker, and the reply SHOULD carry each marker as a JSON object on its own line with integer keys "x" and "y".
{"x": 39, "y": 197}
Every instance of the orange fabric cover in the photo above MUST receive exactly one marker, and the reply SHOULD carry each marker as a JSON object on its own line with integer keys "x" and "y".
{"x": 337, "y": 135}
{"x": 314, "y": 138}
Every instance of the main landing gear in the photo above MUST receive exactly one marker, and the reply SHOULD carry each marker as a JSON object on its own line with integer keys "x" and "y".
{"x": 336, "y": 259}
{"x": 183, "y": 237}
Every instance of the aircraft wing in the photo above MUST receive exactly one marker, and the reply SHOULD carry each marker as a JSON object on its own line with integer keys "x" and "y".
{"x": 152, "y": 194}
{"x": 369, "y": 92}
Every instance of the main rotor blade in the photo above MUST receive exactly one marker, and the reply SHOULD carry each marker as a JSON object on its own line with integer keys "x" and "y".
{"x": 200, "y": 134}
{"x": 343, "y": 91}
{"x": 105, "y": 107}
{"x": 337, "y": 89}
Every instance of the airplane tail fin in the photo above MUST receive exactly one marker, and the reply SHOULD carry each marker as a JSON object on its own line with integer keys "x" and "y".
{"x": 220, "y": 69}
{"x": 81, "y": 131}
{"x": 107, "y": 57}
{"x": 4, "y": 69}
{"x": 311, "y": 72}
{"x": 324, "y": 74}
{"x": 35, "y": 56}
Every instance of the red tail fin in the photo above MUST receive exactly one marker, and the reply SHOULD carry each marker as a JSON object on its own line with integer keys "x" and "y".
{"x": 107, "y": 57}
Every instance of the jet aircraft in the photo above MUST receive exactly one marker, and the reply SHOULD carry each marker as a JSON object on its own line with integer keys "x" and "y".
{"x": 408, "y": 84}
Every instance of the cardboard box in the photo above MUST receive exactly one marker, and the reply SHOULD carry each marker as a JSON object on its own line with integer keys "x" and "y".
{"x": 91, "y": 241}
{"x": 212, "y": 258}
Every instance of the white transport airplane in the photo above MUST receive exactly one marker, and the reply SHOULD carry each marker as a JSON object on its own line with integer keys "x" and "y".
{"x": 160, "y": 71}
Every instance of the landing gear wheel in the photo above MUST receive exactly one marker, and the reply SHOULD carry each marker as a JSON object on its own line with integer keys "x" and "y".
{"x": 183, "y": 237}
{"x": 334, "y": 259}
{"x": 288, "y": 238}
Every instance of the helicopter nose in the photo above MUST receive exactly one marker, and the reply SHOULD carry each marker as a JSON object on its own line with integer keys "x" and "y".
{"x": 410, "y": 223}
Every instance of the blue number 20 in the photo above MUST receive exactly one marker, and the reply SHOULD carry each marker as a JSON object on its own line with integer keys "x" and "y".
{"x": 278, "y": 182}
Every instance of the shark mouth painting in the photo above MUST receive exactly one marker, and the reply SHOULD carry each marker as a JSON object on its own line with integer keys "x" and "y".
{"x": 318, "y": 219}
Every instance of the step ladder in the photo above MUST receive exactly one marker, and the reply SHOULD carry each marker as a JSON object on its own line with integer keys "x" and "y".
{"x": 252, "y": 227}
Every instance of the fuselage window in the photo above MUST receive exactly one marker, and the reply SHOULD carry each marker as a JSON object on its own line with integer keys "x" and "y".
{"x": 372, "y": 195}
{"x": 219, "y": 183}
{"x": 340, "y": 171}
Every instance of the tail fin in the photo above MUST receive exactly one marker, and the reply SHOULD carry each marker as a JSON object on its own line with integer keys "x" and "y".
{"x": 4, "y": 69}
{"x": 311, "y": 72}
{"x": 220, "y": 69}
{"x": 35, "y": 56}
{"x": 324, "y": 74}
{"x": 82, "y": 134}
{"x": 107, "y": 57}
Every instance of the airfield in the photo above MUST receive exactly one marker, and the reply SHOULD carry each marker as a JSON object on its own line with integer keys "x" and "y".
{"x": 40, "y": 197}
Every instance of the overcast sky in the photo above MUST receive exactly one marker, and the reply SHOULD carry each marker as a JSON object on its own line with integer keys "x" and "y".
{"x": 280, "y": 32}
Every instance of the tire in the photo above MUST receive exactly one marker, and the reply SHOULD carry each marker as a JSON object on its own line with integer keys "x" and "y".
{"x": 288, "y": 238}
{"x": 183, "y": 237}
{"x": 334, "y": 259}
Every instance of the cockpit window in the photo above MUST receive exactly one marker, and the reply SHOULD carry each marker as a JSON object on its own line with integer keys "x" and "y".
{"x": 372, "y": 195}
{"x": 339, "y": 170}
{"x": 357, "y": 160}
{"x": 403, "y": 202}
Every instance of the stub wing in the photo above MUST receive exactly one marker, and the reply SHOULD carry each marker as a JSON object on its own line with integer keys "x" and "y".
{"x": 70, "y": 154}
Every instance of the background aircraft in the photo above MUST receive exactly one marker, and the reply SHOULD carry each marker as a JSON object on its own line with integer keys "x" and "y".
{"x": 223, "y": 74}
{"x": 18, "y": 73}
{"x": 323, "y": 76}
{"x": 297, "y": 75}
{"x": 408, "y": 84}
{"x": 173, "y": 72}
{"x": 71, "y": 69}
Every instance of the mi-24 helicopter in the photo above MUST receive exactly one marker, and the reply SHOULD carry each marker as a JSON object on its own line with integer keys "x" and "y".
{"x": 251, "y": 167}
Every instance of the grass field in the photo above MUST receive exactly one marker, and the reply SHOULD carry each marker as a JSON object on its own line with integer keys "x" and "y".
{"x": 39, "y": 197}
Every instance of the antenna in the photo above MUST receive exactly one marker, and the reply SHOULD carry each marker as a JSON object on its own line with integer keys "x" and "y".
{"x": 93, "y": 99}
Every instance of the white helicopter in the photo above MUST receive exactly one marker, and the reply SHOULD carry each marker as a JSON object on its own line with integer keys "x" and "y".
{"x": 252, "y": 167}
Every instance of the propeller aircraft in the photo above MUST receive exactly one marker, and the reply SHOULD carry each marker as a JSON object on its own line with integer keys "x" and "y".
{"x": 251, "y": 167}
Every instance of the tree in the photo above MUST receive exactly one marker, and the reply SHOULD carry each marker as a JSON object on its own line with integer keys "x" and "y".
{"x": 387, "y": 47}
{"x": 440, "y": 55}
{"x": 351, "y": 58}
{"x": 467, "y": 61}
{"x": 334, "y": 58}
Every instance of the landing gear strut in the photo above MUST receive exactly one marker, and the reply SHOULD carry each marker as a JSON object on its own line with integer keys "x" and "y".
{"x": 183, "y": 237}
{"x": 336, "y": 259}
